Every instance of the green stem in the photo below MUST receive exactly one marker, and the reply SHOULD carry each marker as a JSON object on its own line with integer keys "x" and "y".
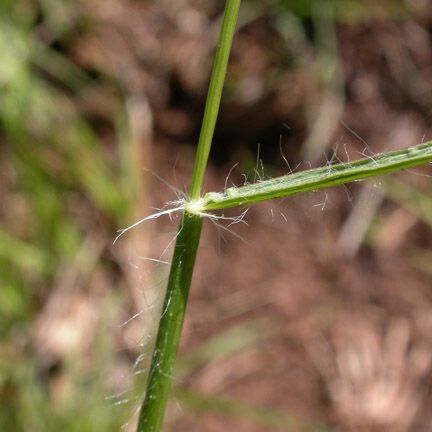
{"x": 171, "y": 322}
{"x": 319, "y": 178}
{"x": 214, "y": 96}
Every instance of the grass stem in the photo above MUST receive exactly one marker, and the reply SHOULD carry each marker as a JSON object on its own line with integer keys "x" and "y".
{"x": 214, "y": 96}
{"x": 170, "y": 325}
{"x": 171, "y": 322}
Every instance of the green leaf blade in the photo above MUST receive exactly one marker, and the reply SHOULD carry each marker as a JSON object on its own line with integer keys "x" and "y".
{"x": 319, "y": 178}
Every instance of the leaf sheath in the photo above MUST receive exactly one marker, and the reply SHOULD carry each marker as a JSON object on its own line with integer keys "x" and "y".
{"x": 171, "y": 322}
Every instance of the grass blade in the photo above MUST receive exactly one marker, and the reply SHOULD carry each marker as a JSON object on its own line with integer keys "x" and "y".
{"x": 319, "y": 178}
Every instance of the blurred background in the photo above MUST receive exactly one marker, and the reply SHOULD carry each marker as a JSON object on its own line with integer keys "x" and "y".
{"x": 316, "y": 316}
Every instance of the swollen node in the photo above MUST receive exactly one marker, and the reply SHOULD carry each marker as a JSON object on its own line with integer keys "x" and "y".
{"x": 195, "y": 207}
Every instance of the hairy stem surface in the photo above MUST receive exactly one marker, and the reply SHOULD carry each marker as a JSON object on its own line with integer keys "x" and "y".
{"x": 319, "y": 178}
{"x": 171, "y": 322}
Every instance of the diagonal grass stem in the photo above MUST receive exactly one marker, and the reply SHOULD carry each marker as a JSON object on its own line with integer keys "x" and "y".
{"x": 319, "y": 178}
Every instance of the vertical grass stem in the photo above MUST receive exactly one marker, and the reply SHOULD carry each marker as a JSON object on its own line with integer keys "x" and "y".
{"x": 214, "y": 96}
{"x": 171, "y": 322}
{"x": 170, "y": 325}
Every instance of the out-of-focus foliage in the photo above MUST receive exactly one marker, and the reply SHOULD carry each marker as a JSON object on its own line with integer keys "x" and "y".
{"x": 61, "y": 186}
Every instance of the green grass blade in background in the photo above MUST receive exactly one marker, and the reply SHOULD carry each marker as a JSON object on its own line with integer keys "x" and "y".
{"x": 251, "y": 333}
{"x": 319, "y": 178}
{"x": 263, "y": 416}
{"x": 413, "y": 199}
